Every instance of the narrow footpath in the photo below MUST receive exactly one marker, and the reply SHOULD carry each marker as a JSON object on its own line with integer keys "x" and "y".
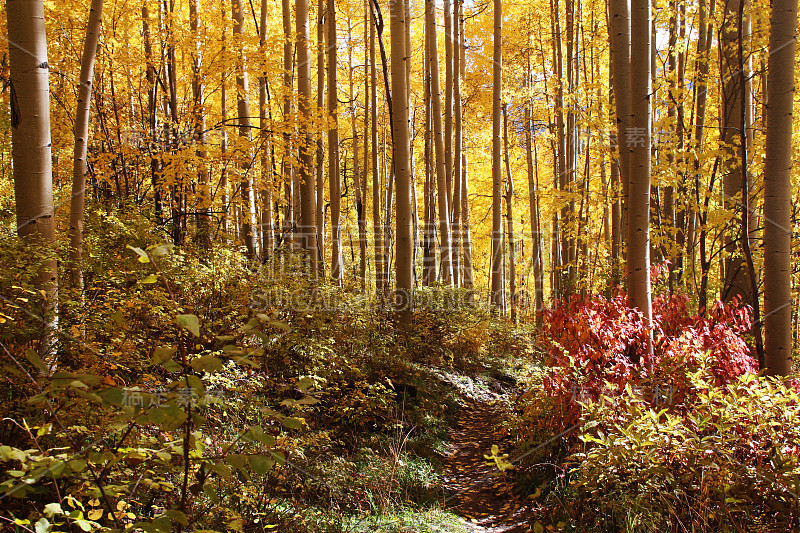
{"x": 477, "y": 491}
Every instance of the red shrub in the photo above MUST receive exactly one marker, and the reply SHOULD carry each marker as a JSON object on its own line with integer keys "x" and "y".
{"x": 593, "y": 341}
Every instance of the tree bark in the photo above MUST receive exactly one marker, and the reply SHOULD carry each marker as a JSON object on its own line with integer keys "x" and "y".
{"x": 777, "y": 189}
{"x": 243, "y": 105}
{"x": 31, "y": 150}
{"x": 512, "y": 249}
{"x": 287, "y": 168}
{"x": 267, "y": 235}
{"x": 403, "y": 267}
{"x": 619, "y": 35}
{"x": 641, "y": 140}
{"x": 377, "y": 229}
{"x": 199, "y": 124}
{"x": 307, "y": 180}
{"x": 497, "y": 154}
{"x": 79, "y": 167}
{"x": 735, "y": 269}
{"x": 457, "y": 142}
{"x": 334, "y": 178}
{"x": 441, "y": 172}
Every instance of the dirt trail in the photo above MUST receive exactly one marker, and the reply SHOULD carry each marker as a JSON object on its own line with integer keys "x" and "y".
{"x": 476, "y": 490}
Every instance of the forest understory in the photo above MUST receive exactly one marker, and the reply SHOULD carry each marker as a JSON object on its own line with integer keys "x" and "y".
{"x": 185, "y": 400}
{"x": 399, "y": 266}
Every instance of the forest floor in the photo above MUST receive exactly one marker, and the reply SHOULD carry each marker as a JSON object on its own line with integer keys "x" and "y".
{"x": 475, "y": 488}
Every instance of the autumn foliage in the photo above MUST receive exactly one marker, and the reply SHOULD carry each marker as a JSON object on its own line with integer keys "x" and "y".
{"x": 595, "y": 339}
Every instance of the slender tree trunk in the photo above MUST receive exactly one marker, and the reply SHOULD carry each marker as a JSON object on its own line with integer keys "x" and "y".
{"x": 639, "y": 208}
{"x": 287, "y": 168}
{"x": 736, "y": 284}
{"x": 466, "y": 245}
{"x": 429, "y": 238}
{"x": 267, "y": 235}
{"x": 703, "y": 47}
{"x": 79, "y": 168}
{"x": 153, "y": 111}
{"x": 377, "y": 229}
{"x": 448, "y": 106}
{"x": 777, "y": 189}
{"x": 199, "y": 124}
{"x": 320, "y": 163}
{"x": 466, "y": 241}
{"x": 333, "y": 148}
{"x": 358, "y": 178}
{"x": 497, "y": 154}
{"x": 307, "y": 180}
{"x": 248, "y": 224}
{"x": 441, "y": 171}
{"x": 403, "y": 272}
{"x": 619, "y": 34}
{"x": 457, "y": 143}
{"x": 512, "y": 249}
{"x": 31, "y": 150}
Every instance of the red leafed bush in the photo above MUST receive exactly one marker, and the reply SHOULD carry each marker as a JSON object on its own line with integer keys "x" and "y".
{"x": 593, "y": 341}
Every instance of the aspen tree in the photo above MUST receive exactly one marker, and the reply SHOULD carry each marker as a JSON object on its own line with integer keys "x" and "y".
{"x": 777, "y": 189}
{"x": 79, "y": 168}
{"x": 287, "y": 168}
{"x": 640, "y": 139}
{"x": 619, "y": 36}
{"x": 466, "y": 243}
{"x": 377, "y": 229}
{"x": 497, "y": 154}
{"x": 31, "y": 149}
{"x": 441, "y": 173}
{"x": 358, "y": 176}
{"x": 732, "y": 129}
{"x": 267, "y": 235}
{"x": 512, "y": 249}
{"x": 306, "y": 179}
{"x": 243, "y": 108}
{"x": 458, "y": 131}
{"x": 334, "y": 179}
{"x": 448, "y": 106}
{"x": 403, "y": 267}
{"x": 320, "y": 163}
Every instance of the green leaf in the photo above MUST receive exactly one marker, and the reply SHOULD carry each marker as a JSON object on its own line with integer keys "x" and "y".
{"x": 141, "y": 253}
{"x": 84, "y": 525}
{"x": 33, "y": 357}
{"x": 260, "y": 464}
{"x": 177, "y": 516}
{"x": 162, "y": 523}
{"x": 151, "y": 278}
{"x": 292, "y": 423}
{"x": 207, "y": 363}
{"x": 259, "y": 435}
{"x": 118, "y": 316}
{"x": 112, "y": 395}
{"x": 211, "y": 493}
{"x": 190, "y": 323}
{"x": 161, "y": 354}
{"x": 172, "y": 366}
{"x": 305, "y": 383}
{"x": 77, "y": 465}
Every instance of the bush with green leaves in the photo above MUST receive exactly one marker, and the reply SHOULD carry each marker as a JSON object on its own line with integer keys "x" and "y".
{"x": 725, "y": 457}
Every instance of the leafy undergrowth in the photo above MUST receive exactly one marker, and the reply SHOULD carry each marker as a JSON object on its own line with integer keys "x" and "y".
{"x": 690, "y": 440}
{"x": 210, "y": 395}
